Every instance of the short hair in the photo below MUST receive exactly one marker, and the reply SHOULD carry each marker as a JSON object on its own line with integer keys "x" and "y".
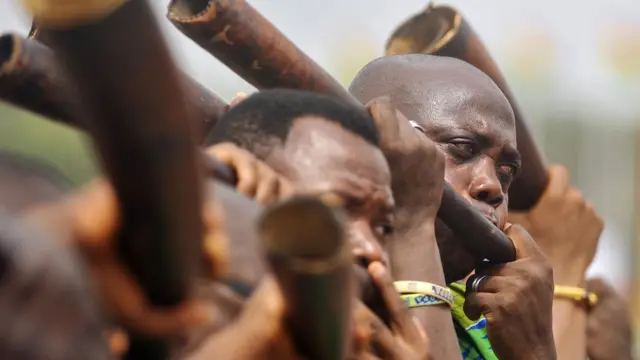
{"x": 263, "y": 120}
{"x": 21, "y": 165}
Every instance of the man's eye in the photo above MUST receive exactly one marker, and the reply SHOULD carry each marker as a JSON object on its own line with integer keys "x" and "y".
{"x": 463, "y": 149}
{"x": 383, "y": 229}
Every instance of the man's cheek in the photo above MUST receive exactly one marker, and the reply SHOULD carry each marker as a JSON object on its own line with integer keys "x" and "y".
{"x": 502, "y": 215}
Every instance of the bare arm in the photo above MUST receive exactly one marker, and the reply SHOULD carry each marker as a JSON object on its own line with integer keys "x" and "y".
{"x": 567, "y": 229}
{"x": 417, "y": 169}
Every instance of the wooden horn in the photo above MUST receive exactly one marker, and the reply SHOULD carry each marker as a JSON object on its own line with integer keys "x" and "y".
{"x": 240, "y": 37}
{"x": 134, "y": 104}
{"x": 310, "y": 257}
{"x": 30, "y": 78}
{"x": 442, "y": 30}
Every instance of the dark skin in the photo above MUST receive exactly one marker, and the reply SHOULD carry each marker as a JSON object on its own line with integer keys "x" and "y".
{"x": 473, "y": 125}
{"x": 320, "y": 156}
{"x": 417, "y": 169}
{"x": 609, "y": 334}
{"x": 471, "y": 122}
{"x": 93, "y": 217}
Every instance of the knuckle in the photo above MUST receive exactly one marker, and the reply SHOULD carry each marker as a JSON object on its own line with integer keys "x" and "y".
{"x": 224, "y": 147}
{"x": 507, "y": 305}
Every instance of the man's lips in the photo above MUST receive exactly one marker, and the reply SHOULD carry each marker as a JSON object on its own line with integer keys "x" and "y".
{"x": 491, "y": 218}
{"x": 488, "y": 212}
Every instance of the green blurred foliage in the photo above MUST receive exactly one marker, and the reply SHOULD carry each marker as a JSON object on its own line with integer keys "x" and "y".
{"x": 61, "y": 146}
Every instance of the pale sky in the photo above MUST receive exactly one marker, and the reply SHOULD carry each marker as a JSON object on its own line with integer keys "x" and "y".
{"x": 327, "y": 29}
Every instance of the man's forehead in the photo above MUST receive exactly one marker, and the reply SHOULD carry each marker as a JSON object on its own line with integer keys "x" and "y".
{"x": 318, "y": 147}
{"x": 463, "y": 109}
{"x": 439, "y": 93}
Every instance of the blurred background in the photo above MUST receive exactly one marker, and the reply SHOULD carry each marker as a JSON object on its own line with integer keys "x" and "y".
{"x": 574, "y": 66}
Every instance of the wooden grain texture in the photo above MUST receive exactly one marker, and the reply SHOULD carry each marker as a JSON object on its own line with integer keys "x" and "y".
{"x": 239, "y": 36}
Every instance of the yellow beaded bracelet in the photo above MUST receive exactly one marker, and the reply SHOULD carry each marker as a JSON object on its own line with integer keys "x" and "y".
{"x": 575, "y": 293}
{"x": 421, "y": 293}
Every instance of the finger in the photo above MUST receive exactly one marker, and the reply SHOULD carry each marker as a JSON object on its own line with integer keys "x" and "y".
{"x": 477, "y": 304}
{"x": 247, "y": 178}
{"x": 600, "y": 286}
{"x": 474, "y": 282}
{"x": 559, "y": 183}
{"x": 364, "y": 356}
{"x": 525, "y": 246}
{"x": 488, "y": 269}
{"x": 361, "y": 355}
{"x": 268, "y": 184}
{"x": 285, "y": 188}
{"x": 216, "y": 242}
{"x": 237, "y": 99}
{"x": 361, "y": 330}
{"x": 400, "y": 317}
{"x": 243, "y": 164}
{"x": 491, "y": 284}
{"x": 370, "y": 333}
{"x": 266, "y": 305}
{"x": 127, "y": 303}
{"x": 95, "y": 213}
{"x": 384, "y": 116}
{"x": 382, "y": 339}
{"x": 118, "y": 342}
{"x": 176, "y": 322}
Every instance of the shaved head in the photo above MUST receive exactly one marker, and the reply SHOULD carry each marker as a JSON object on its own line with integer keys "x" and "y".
{"x": 468, "y": 117}
{"x": 431, "y": 87}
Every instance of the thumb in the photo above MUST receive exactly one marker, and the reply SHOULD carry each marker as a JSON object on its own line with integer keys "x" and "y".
{"x": 384, "y": 117}
{"x": 237, "y": 99}
{"x": 525, "y": 246}
{"x": 96, "y": 215}
{"x": 266, "y": 302}
{"x": 520, "y": 217}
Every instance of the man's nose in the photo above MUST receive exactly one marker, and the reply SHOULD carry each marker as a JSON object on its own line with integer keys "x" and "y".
{"x": 366, "y": 248}
{"x": 485, "y": 185}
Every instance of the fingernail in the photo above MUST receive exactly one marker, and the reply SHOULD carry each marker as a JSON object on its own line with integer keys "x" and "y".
{"x": 204, "y": 314}
{"x": 332, "y": 199}
{"x": 376, "y": 269}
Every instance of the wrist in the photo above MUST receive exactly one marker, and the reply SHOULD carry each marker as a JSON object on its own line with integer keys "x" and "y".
{"x": 543, "y": 352}
{"x": 569, "y": 275}
{"x": 414, "y": 219}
